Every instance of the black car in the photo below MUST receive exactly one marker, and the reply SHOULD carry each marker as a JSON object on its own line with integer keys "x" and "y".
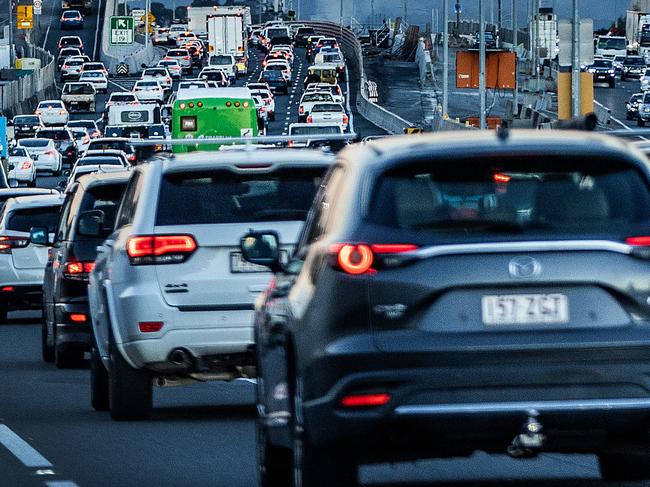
{"x": 632, "y": 106}
{"x": 116, "y": 143}
{"x": 603, "y": 72}
{"x": 633, "y": 67}
{"x": 275, "y": 80}
{"x": 87, "y": 218}
{"x": 302, "y": 34}
{"x": 63, "y": 140}
{"x": 454, "y": 294}
{"x": 25, "y": 126}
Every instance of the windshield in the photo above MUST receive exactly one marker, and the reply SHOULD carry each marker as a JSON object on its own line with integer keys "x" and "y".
{"x": 23, "y": 220}
{"x": 602, "y": 63}
{"x": 634, "y": 61}
{"x": 79, "y": 89}
{"x": 618, "y": 43}
{"x": 315, "y": 130}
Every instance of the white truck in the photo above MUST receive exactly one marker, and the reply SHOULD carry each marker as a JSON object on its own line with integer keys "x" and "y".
{"x": 197, "y": 19}
{"x": 634, "y": 27}
{"x": 228, "y": 30}
{"x": 547, "y": 35}
{"x": 610, "y": 46}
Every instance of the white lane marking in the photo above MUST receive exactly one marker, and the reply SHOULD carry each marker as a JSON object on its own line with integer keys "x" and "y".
{"x": 620, "y": 123}
{"x": 61, "y": 483}
{"x": 99, "y": 9}
{"x": 21, "y": 449}
{"x": 118, "y": 85}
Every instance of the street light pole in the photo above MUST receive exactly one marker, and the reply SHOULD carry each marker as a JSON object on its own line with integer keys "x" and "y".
{"x": 513, "y": 25}
{"x": 481, "y": 86}
{"x": 12, "y": 56}
{"x": 445, "y": 58}
{"x": 575, "y": 68}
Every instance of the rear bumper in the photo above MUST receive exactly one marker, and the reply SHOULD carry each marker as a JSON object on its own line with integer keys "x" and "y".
{"x": 71, "y": 334}
{"x": 446, "y": 404}
{"x": 21, "y": 296}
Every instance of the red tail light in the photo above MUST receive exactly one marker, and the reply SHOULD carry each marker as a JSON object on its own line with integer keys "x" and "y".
{"x": 310, "y": 119}
{"x": 365, "y": 400}
{"x": 187, "y": 58}
{"x": 638, "y": 241}
{"x": 301, "y": 109}
{"x": 345, "y": 119}
{"x": 8, "y": 289}
{"x": 7, "y": 243}
{"x": 160, "y": 249}
{"x": 37, "y": 112}
{"x": 77, "y": 270}
{"x": 78, "y": 317}
{"x": 50, "y": 152}
{"x": 86, "y": 139}
{"x": 356, "y": 259}
{"x": 61, "y": 112}
{"x": 26, "y": 165}
{"x": 131, "y": 157}
{"x": 150, "y": 326}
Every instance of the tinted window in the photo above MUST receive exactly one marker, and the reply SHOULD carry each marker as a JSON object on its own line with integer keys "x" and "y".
{"x": 513, "y": 197}
{"x": 41, "y": 143}
{"x": 24, "y": 220}
{"x": 53, "y": 104}
{"x": 327, "y": 107}
{"x": 129, "y": 201}
{"x": 26, "y": 120}
{"x": 220, "y": 60}
{"x": 225, "y": 197}
{"x": 17, "y": 152}
{"x": 54, "y": 134}
{"x": 105, "y": 198}
{"x": 312, "y": 130}
{"x": 92, "y": 160}
{"x": 79, "y": 89}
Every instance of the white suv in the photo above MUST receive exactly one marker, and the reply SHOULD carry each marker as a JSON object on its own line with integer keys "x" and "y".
{"x": 22, "y": 262}
{"x": 170, "y": 296}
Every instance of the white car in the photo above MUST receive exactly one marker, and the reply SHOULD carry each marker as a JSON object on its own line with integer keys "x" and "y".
{"x": 183, "y": 37}
{"x": 44, "y": 154}
{"x": 335, "y": 90}
{"x": 280, "y": 65}
{"x": 21, "y": 167}
{"x": 81, "y": 137}
{"x": 225, "y": 62}
{"x": 172, "y": 65}
{"x": 182, "y": 56}
{"x": 262, "y": 114}
{"x": 52, "y": 112}
{"x": 121, "y": 98}
{"x": 95, "y": 66}
{"x": 308, "y": 100}
{"x": 158, "y": 74}
{"x": 149, "y": 90}
{"x": 645, "y": 80}
{"x": 22, "y": 262}
{"x": 328, "y": 113}
{"x": 269, "y": 100}
{"x": 97, "y": 78}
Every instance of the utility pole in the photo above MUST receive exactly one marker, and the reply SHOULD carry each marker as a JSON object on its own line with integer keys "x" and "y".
{"x": 458, "y": 9}
{"x": 146, "y": 23}
{"x": 445, "y": 58}
{"x": 12, "y": 55}
{"x": 575, "y": 69}
{"x": 372, "y": 14}
{"x": 481, "y": 86}
{"x": 499, "y": 19}
{"x": 406, "y": 7}
{"x": 513, "y": 25}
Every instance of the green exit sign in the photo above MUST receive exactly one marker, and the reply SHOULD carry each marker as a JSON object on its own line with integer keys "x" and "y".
{"x": 121, "y": 30}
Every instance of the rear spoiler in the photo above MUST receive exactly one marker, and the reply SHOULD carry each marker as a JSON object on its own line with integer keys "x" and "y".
{"x": 263, "y": 139}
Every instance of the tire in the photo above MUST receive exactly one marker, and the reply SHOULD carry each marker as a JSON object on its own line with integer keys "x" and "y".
{"x": 272, "y": 117}
{"x": 98, "y": 381}
{"x": 3, "y": 313}
{"x": 612, "y": 84}
{"x": 640, "y": 122}
{"x": 67, "y": 359}
{"x": 130, "y": 390}
{"x": 274, "y": 462}
{"x": 47, "y": 351}
{"x": 618, "y": 467}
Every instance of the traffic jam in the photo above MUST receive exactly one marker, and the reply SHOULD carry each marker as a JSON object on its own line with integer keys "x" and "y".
{"x": 393, "y": 299}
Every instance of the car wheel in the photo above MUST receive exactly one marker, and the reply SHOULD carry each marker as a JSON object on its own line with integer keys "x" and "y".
{"x": 4, "y": 310}
{"x": 612, "y": 84}
{"x": 618, "y": 467}
{"x": 47, "y": 351}
{"x": 66, "y": 359}
{"x": 640, "y": 122}
{"x": 274, "y": 462}
{"x": 98, "y": 381}
{"x": 130, "y": 390}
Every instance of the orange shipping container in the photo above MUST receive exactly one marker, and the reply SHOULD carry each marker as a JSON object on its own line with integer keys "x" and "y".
{"x": 500, "y": 70}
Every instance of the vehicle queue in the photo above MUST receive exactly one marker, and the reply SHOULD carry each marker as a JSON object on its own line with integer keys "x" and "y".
{"x": 405, "y": 298}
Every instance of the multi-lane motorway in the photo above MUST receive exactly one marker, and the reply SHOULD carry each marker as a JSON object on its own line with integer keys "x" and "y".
{"x": 202, "y": 435}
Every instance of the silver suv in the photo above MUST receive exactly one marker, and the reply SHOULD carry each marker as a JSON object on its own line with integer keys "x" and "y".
{"x": 171, "y": 297}
{"x": 22, "y": 262}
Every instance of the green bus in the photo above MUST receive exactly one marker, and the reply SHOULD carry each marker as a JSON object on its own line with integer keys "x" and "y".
{"x": 212, "y": 112}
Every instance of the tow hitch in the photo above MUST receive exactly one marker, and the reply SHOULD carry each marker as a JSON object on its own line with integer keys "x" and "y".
{"x": 529, "y": 442}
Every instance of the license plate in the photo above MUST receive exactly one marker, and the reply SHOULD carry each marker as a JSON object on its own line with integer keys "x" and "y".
{"x": 238, "y": 265}
{"x": 523, "y": 309}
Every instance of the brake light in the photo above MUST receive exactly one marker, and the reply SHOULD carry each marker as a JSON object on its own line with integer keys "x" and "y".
{"x": 7, "y": 243}
{"x": 501, "y": 178}
{"x": 356, "y": 259}
{"x": 61, "y": 112}
{"x": 365, "y": 400}
{"x": 187, "y": 58}
{"x": 78, "y": 317}
{"x": 131, "y": 157}
{"x": 345, "y": 119}
{"x": 77, "y": 270}
{"x": 8, "y": 289}
{"x": 37, "y": 112}
{"x": 160, "y": 249}
{"x": 85, "y": 139}
{"x": 150, "y": 326}
{"x": 310, "y": 119}
{"x": 301, "y": 109}
{"x": 638, "y": 241}
{"x": 26, "y": 165}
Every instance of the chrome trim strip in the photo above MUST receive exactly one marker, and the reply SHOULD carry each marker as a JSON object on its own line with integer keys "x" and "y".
{"x": 533, "y": 246}
{"x": 524, "y": 407}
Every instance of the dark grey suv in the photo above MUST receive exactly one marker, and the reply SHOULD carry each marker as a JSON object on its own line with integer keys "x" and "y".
{"x": 452, "y": 294}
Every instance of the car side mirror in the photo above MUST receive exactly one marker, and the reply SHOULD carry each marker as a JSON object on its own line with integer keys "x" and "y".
{"x": 67, "y": 172}
{"x": 91, "y": 223}
{"x": 262, "y": 248}
{"x": 10, "y": 123}
{"x": 39, "y": 236}
{"x": 62, "y": 184}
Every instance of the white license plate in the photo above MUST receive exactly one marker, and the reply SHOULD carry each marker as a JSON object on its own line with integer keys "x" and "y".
{"x": 239, "y": 265}
{"x": 523, "y": 309}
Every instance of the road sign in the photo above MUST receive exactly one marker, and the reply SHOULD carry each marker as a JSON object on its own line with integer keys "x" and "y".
{"x": 38, "y": 7}
{"x": 122, "y": 69}
{"x": 121, "y": 30}
{"x": 412, "y": 130}
{"x": 565, "y": 29}
{"x": 24, "y": 16}
{"x": 137, "y": 14}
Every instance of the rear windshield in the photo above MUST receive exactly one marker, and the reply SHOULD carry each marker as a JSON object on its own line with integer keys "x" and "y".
{"x": 29, "y": 120}
{"x": 514, "y": 198}
{"x": 79, "y": 89}
{"x": 271, "y": 74}
{"x": 70, "y": 41}
{"x": 177, "y": 52}
{"x": 221, "y": 60}
{"x": 226, "y": 197}
{"x": 103, "y": 145}
{"x": 315, "y": 130}
{"x": 24, "y": 220}
{"x": 635, "y": 61}
{"x": 54, "y": 134}
{"x": 122, "y": 97}
{"x": 96, "y": 161}
{"x": 327, "y": 107}
{"x": 34, "y": 142}
{"x": 52, "y": 104}
{"x": 82, "y": 123}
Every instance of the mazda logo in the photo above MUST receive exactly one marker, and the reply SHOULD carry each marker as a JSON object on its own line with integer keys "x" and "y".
{"x": 524, "y": 267}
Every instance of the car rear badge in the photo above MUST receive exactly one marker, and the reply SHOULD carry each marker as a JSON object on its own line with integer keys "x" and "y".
{"x": 390, "y": 311}
{"x": 524, "y": 267}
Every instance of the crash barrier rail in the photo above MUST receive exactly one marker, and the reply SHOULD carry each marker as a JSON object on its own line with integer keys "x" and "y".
{"x": 134, "y": 55}
{"x": 248, "y": 141}
{"x": 351, "y": 48}
{"x": 603, "y": 113}
{"x": 23, "y": 94}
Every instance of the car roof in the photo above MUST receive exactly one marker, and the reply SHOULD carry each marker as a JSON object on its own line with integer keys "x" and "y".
{"x": 389, "y": 151}
{"x": 88, "y": 181}
{"x": 35, "y": 201}
{"x": 197, "y": 161}
{"x": 27, "y": 191}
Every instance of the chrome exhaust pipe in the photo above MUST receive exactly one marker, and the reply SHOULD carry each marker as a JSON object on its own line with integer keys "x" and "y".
{"x": 530, "y": 441}
{"x": 181, "y": 357}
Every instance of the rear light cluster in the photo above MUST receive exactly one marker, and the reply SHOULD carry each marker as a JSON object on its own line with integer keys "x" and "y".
{"x": 77, "y": 270}
{"x": 160, "y": 249}
{"x": 356, "y": 259}
{"x": 365, "y": 400}
{"x": 26, "y": 165}
{"x": 345, "y": 119}
{"x": 7, "y": 243}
